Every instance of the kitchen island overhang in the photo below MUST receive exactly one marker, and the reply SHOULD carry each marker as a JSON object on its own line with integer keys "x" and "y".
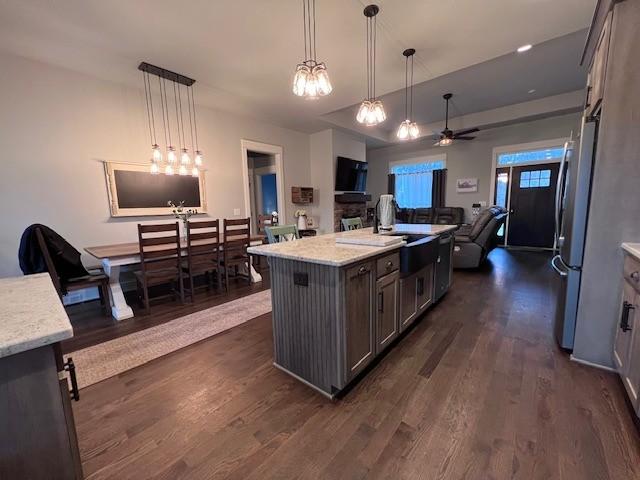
{"x": 337, "y": 306}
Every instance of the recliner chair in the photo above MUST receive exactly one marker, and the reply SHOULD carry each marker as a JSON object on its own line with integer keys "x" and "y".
{"x": 473, "y": 244}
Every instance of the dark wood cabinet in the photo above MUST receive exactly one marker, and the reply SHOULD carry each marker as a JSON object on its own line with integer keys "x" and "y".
{"x": 387, "y": 325}
{"x": 359, "y": 323}
{"x": 37, "y": 431}
{"x": 424, "y": 288}
{"x": 408, "y": 304}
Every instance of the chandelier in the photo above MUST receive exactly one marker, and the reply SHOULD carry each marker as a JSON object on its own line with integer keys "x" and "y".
{"x": 181, "y": 86}
{"x": 311, "y": 79}
{"x": 371, "y": 111}
{"x": 408, "y": 128}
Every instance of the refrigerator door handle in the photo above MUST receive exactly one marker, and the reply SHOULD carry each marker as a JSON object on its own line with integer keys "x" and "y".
{"x": 556, "y": 268}
{"x": 561, "y": 180}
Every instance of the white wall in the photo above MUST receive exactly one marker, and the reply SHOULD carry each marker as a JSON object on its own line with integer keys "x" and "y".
{"x": 56, "y": 127}
{"x": 468, "y": 159}
{"x": 324, "y": 147}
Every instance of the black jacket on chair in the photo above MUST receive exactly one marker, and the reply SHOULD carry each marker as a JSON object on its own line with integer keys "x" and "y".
{"x": 65, "y": 257}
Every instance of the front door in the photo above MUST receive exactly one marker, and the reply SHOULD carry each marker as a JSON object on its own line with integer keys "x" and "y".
{"x": 531, "y": 214}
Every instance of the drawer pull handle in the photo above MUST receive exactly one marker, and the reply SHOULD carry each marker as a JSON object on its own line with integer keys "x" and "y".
{"x": 362, "y": 270}
{"x": 624, "y": 320}
{"x": 390, "y": 264}
{"x": 381, "y": 302}
{"x": 71, "y": 368}
{"x": 635, "y": 276}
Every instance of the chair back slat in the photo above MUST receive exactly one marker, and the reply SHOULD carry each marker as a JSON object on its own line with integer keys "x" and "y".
{"x": 228, "y": 222}
{"x": 195, "y": 237}
{"x": 263, "y": 221}
{"x": 282, "y": 233}
{"x": 351, "y": 223}
{"x": 236, "y": 238}
{"x": 160, "y": 253}
{"x": 203, "y": 247}
{"x": 163, "y": 227}
{"x": 148, "y": 242}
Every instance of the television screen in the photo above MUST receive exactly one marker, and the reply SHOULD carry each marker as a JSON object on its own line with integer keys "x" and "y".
{"x": 351, "y": 175}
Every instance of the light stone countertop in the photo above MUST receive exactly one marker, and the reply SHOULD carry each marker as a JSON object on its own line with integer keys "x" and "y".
{"x": 31, "y": 314}
{"x": 632, "y": 249}
{"x": 323, "y": 249}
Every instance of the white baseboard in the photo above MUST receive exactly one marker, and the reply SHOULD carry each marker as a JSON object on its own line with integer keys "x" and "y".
{"x": 591, "y": 364}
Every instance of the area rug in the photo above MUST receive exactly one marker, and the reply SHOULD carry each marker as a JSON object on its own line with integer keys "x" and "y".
{"x": 99, "y": 362}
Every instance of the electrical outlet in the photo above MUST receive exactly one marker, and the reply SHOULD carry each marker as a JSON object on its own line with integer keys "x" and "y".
{"x": 236, "y": 211}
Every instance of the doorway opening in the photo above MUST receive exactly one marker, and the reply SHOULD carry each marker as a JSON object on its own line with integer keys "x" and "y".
{"x": 263, "y": 183}
{"x": 524, "y": 182}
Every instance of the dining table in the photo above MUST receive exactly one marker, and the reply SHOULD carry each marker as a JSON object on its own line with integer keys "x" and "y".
{"x": 115, "y": 256}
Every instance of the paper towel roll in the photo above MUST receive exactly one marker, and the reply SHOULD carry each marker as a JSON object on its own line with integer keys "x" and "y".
{"x": 387, "y": 212}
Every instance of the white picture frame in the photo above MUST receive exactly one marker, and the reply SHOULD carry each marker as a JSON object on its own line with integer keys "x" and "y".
{"x": 109, "y": 170}
{"x": 466, "y": 185}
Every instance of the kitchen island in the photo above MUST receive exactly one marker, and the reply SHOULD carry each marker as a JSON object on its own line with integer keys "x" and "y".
{"x": 339, "y": 300}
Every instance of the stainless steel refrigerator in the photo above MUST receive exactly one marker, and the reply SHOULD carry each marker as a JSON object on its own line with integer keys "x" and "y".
{"x": 573, "y": 193}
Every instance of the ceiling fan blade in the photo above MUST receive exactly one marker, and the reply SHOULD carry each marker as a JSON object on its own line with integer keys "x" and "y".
{"x": 465, "y": 131}
{"x": 463, "y": 138}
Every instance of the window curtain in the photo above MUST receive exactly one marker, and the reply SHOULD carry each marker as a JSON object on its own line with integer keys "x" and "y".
{"x": 391, "y": 184}
{"x": 438, "y": 188}
{"x": 413, "y": 182}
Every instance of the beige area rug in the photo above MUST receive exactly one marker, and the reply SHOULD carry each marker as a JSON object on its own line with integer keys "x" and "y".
{"x": 96, "y": 363}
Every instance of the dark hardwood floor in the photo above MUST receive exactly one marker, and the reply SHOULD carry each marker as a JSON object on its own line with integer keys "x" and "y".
{"x": 478, "y": 390}
{"x": 91, "y": 326}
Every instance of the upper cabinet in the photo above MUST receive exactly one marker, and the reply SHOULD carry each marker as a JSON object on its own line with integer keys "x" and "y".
{"x": 598, "y": 70}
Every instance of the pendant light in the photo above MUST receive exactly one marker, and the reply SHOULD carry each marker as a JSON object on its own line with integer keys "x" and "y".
{"x": 185, "y": 166}
{"x": 408, "y": 129}
{"x": 371, "y": 111}
{"x": 311, "y": 79}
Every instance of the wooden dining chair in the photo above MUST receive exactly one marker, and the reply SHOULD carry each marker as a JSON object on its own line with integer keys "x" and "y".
{"x": 96, "y": 278}
{"x": 160, "y": 259}
{"x": 351, "y": 223}
{"x": 234, "y": 251}
{"x": 203, "y": 252}
{"x": 282, "y": 233}
{"x": 263, "y": 221}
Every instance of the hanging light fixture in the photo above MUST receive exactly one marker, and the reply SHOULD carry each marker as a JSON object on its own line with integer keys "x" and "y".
{"x": 311, "y": 79}
{"x": 371, "y": 111}
{"x": 172, "y": 166}
{"x": 408, "y": 129}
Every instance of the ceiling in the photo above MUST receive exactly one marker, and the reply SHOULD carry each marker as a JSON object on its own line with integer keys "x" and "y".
{"x": 243, "y": 53}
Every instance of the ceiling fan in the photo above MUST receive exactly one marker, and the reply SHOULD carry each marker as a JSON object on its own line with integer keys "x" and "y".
{"x": 448, "y": 136}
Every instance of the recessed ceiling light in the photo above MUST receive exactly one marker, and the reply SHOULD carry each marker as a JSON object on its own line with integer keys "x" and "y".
{"x": 524, "y": 48}
{"x": 533, "y": 90}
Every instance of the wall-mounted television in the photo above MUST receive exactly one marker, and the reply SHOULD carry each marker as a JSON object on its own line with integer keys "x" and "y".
{"x": 351, "y": 175}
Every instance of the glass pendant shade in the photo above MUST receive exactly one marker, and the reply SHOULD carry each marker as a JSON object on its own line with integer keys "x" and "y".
{"x": 171, "y": 155}
{"x": 311, "y": 82}
{"x": 182, "y": 170}
{"x": 363, "y": 111}
{"x": 403, "y": 130}
{"x": 445, "y": 142}
{"x": 185, "y": 159}
{"x": 414, "y": 131}
{"x": 157, "y": 155}
{"x": 155, "y": 168}
{"x": 195, "y": 172}
{"x": 198, "y": 158}
{"x": 168, "y": 170}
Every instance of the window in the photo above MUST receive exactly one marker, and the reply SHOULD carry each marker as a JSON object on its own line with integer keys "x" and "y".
{"x": 414, "y": 182}
{"x": 535, "y": 179}
{"x": 529, "y": 156}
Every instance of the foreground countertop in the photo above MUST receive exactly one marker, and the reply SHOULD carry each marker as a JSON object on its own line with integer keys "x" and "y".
{"x": 31, "y": 314}
{"x": 324, "y": 250}
{"x": 632, "y": 249}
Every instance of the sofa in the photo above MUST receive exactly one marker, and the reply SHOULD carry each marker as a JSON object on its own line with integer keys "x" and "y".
{"x": 439, "y": 215}
{"x": 473, "y": 242}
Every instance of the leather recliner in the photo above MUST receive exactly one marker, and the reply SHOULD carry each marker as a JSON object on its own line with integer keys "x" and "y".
{"x": 473, "y": 244}
{"x": 439, "y": 215}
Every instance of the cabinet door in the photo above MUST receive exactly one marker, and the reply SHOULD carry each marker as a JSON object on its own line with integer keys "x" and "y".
{"x": 424, "y": 288}
{"x": 598, "y": 69}
{"x": 622, "y": 345}
{"x": 408, "y": 310}
{"x": 387, "y": 310}
{"x": 359, "y": 318}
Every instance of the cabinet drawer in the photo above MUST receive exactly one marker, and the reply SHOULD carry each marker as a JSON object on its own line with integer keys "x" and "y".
{"x": 632, "y": 271}
{"x": 387, "y": 264}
